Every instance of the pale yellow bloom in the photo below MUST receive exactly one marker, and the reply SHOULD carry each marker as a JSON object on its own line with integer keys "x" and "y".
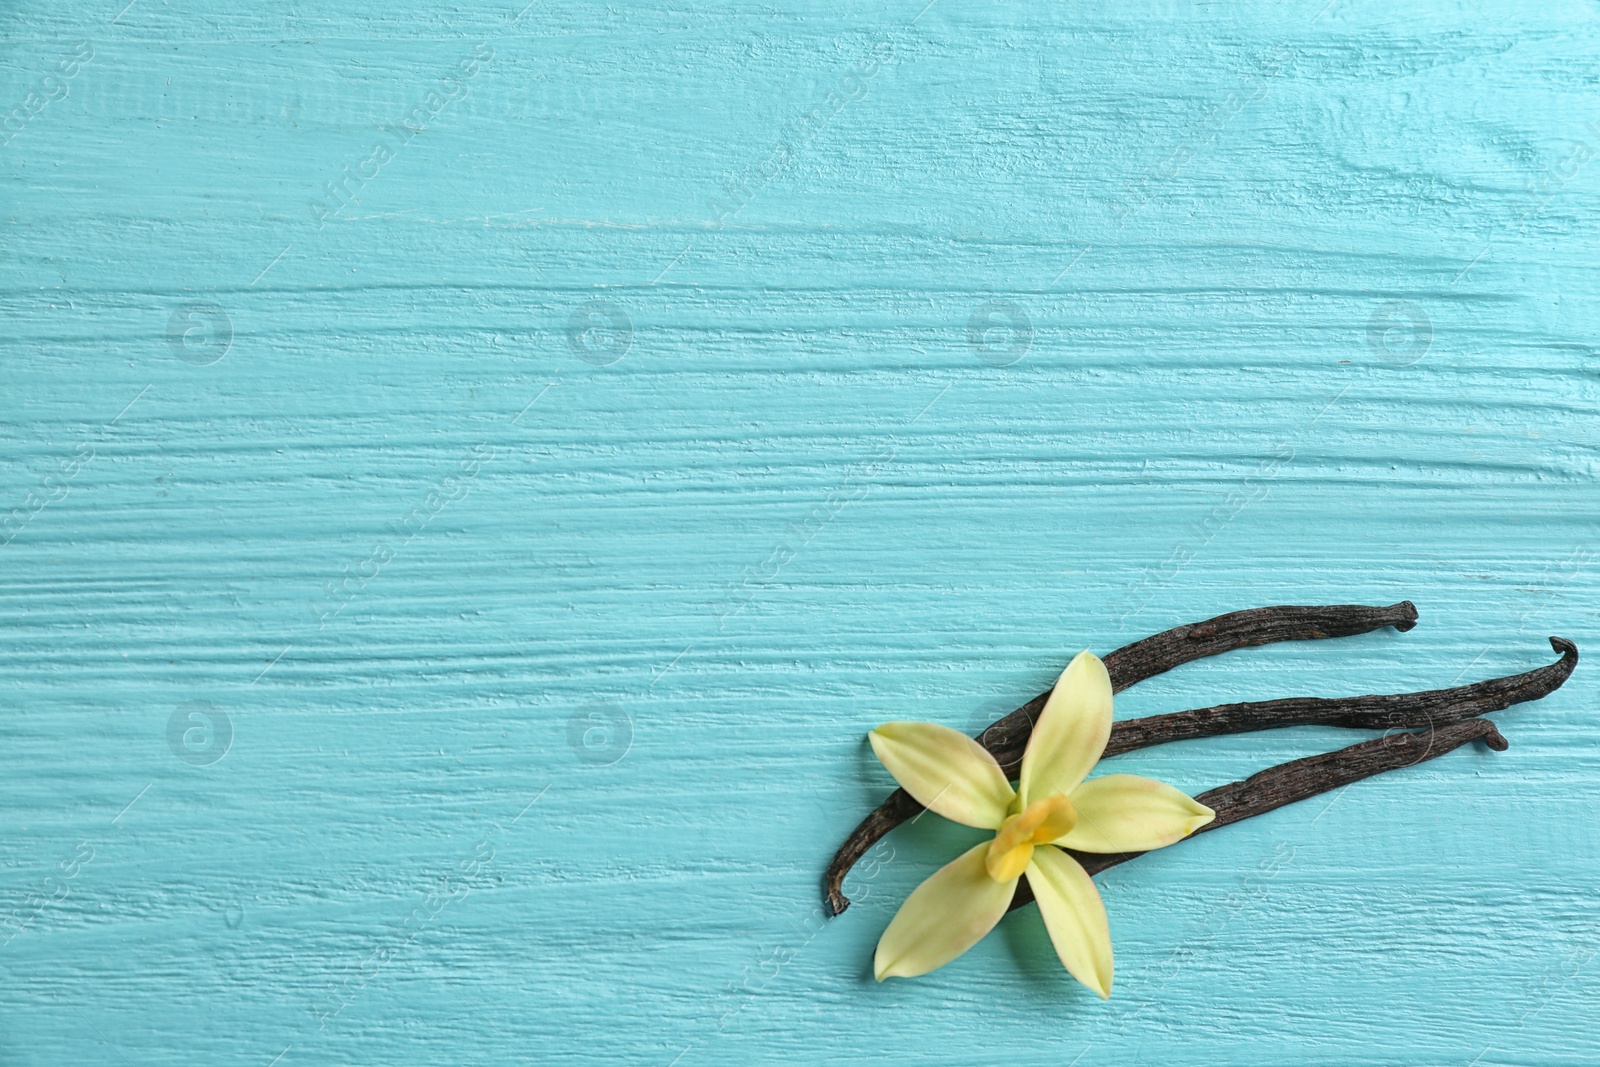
{"x": 1052, "y": 808}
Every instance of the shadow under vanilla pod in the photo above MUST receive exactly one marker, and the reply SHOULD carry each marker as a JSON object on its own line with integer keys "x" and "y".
{"x": 1053, "y": 834}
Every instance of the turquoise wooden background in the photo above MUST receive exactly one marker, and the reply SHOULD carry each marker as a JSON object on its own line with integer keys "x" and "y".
{"x": 473, "y": 475}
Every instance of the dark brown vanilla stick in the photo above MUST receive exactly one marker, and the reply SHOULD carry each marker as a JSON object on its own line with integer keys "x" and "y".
{"x": 1007, "y": 737}
{"x": 1244, "y": 629}
{"x": 1435, "y": 707}
{"x": 1286, "y": 783}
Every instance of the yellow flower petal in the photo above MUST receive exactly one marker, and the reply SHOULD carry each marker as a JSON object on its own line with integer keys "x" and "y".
{"x": 943, "y": 917}
{"x": 1071, "y": 731}
{"x": 946, "y": 771}
{"x": 1127, "y": 813}
{"x": 1074, "y": 915}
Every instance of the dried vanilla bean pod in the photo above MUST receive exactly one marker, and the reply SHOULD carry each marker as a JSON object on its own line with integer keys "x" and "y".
{"x": 1007, "y": 736}
{"x": 1431, "y": 708}
{"x": 1154, "y": 655}
{"x": 1300, "y": 779}
{"x": 1161, "y": 652}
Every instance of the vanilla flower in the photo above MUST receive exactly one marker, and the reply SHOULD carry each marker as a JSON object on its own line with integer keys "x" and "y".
{"x": 1051, "y": 809}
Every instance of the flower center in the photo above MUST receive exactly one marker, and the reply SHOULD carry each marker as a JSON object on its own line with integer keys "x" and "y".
{"x": 1039, "y": 823}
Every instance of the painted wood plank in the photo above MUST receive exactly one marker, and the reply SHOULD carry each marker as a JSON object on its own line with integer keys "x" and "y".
{"x": 473, "y": 475}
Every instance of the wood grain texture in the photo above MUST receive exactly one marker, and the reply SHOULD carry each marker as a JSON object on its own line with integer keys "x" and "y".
{"x": 949, "y": 345}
